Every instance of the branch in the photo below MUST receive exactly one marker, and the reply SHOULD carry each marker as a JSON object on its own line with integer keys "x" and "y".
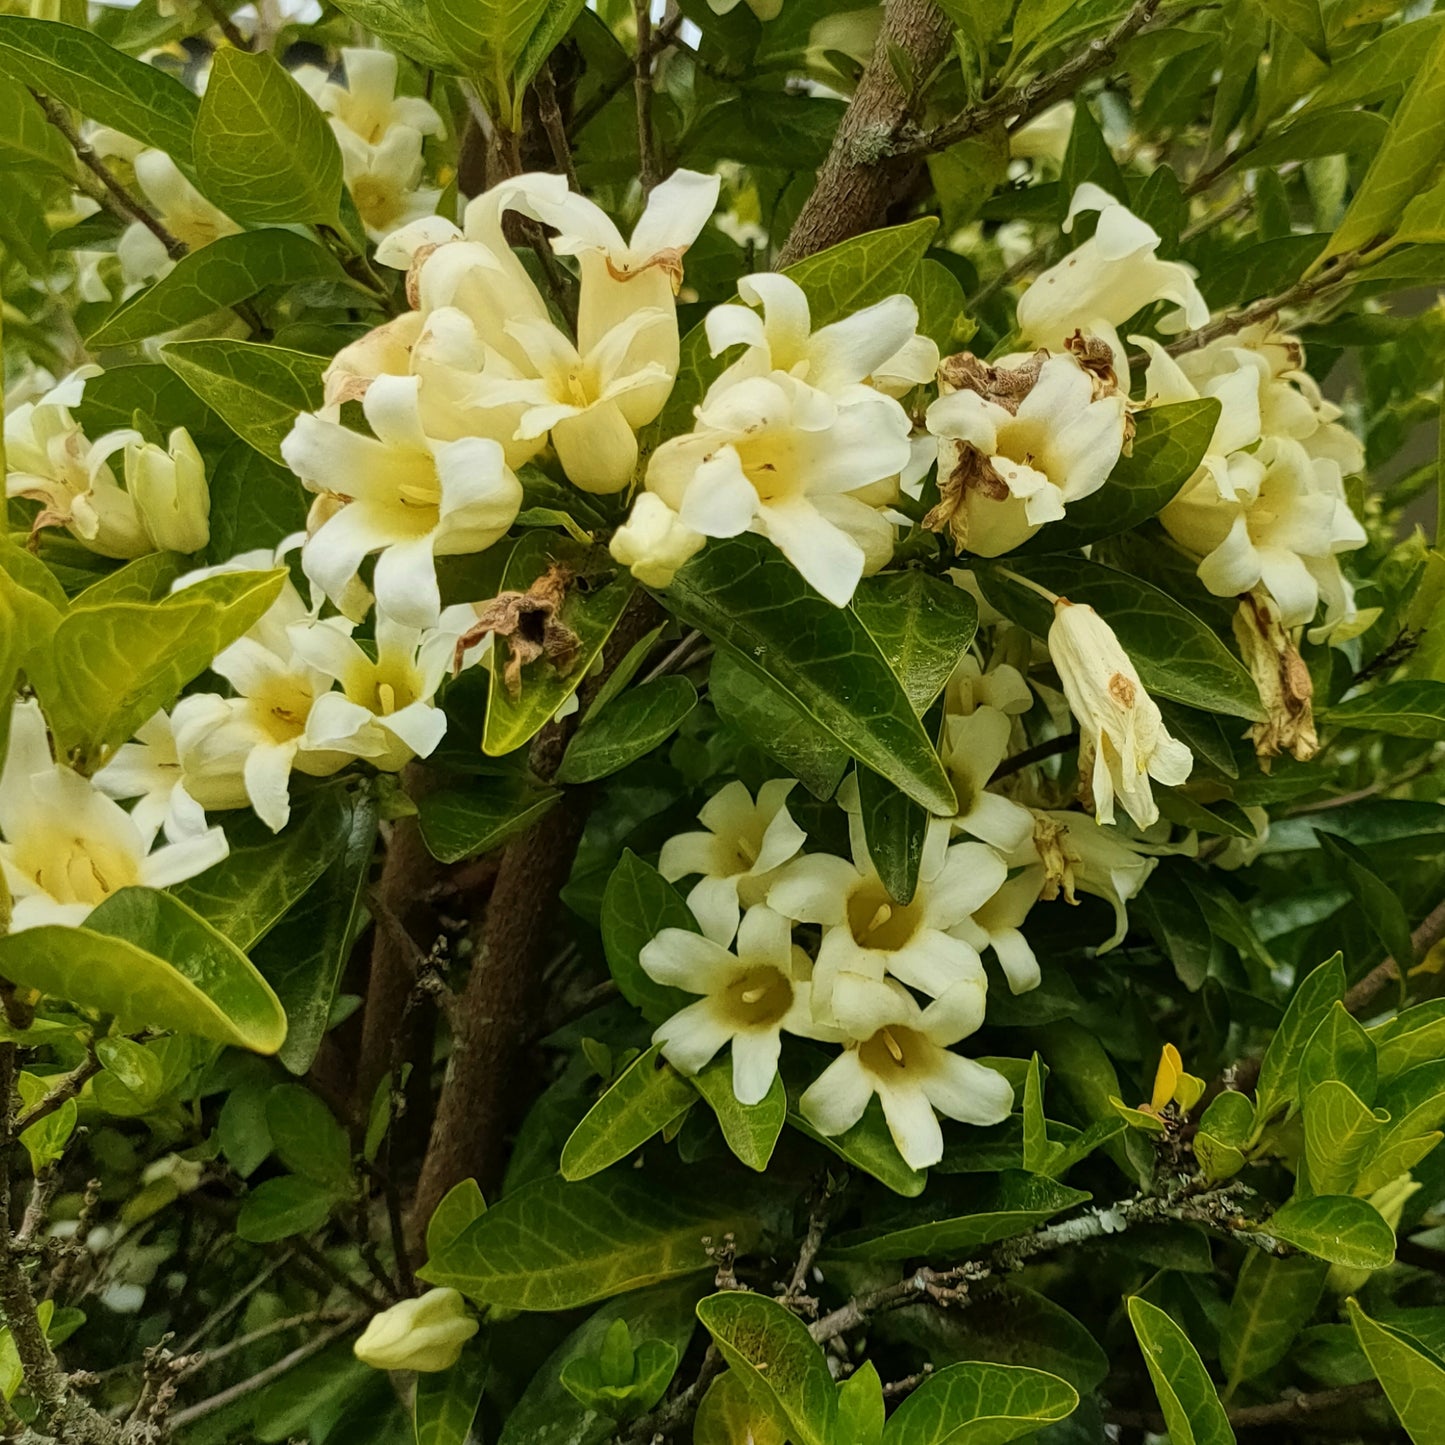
{"x": 66, "y": 1088}
{"x": 545, "y": 87}
{"x": 642, "y": 91}
{"x": 1254, "y": 1417}
{"x": 1052, "y": 747}
{"x": 1429, "y": 932}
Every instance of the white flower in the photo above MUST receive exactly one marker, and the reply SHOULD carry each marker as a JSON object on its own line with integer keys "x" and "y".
{"x": 653, "y": 543}
{"x": 1078, "y": 856}
{"x": 1123, "y": 740}
{"x": 168, "y": 486}
{"x": 763, "y": 9}
{"x": 367, "y": 105}
{"x": 836, "y": 359}
{"x": 749, "y": 999}
{"x": 401, "y": 494}
{"x": 869, "y": 935}
{"x": 974, "y": 744}
{"x": 425, "y": 1334}
{"x": 997, "y": 926}
{"x": 385, "y": 350}
{"x": 738, "y": 855}
{"x": 1000, "y": 686}
{"x": 67, "y": 846}
{"x": 1098, "y": 286}
{"x": 179, "y": 207}
{"x": 1046, "y": 135}
{"x": 384, "y": 710}
{"x": 149, "y": 770}
{"x": 772, "y": 455}
{"x": 50, "y": 460}
{"x": 906, "y": 1062}
{"x": 385, "y": 179}
{"x": 1003, "y": 473}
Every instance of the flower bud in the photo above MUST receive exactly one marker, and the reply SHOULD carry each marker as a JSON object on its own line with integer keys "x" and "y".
{"x": 653, "y": 542}
{"x": 169, "y": 490}
{"x": 424, "y": 1334}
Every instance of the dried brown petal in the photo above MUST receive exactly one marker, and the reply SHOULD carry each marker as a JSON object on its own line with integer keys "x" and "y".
{"x": 531, "y": 624}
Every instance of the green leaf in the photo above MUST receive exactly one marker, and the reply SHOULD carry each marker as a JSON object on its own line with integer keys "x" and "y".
{"x": 749, "y": 601}
{"x": 1378, "y": 902}
{"x": 1301, "y": 18}
{"x": 447, "y": 1402}
{"x": 244, "y": 1135}
{"x": 867, "y": 1145}
{"x": 1415, "y": 1036}
{"x": 1313, "y": 999}
{"x": 502, "y": 43}
{"x": 1038, "y": 1152}
{"x": 922, "y": 626}
{"x": 1273, "y": 1301}
{"x": 471, "y": 819}
{"x": 646, "y": 1098}
{"x": 1186, "y": 1394}
{"x": 784, "y": 1372}
{"x": 264, "y": 151}
{"x": 1176, "y": 654}
{"x": 257, "y": 390}
{"x": 246, "y": 894}
{"x": 727, "y": 1414}
{"x": 980, "y": 1404}
{"x": 46, "y": 1140}
{"x": 403, "y": 24}
{"x": 254, "y": 502}
{"x": 461, "y": 1206}
{"x": 1340, "y": 1133}
{"x": 1169, "y": 443}
{"x": 1410, "y": 709}
{"x": 629, "y": 728}
{"x": 751, "y": 1130}
{"x": 1412, "y": 1378}
{"x": 306, "y": 1138}
{"x": 1404, "y": 164}
{"x": 82, "y": 70}
{"x": 1013, "y": 1204}
{"x": 230, "y": 269}
{"x": 894, "y": 827}
{"x": 553, "y": 1245}
{"x": 145, "y": 957}
{"x": 107, "y": 668}
{"x": 637, "y": 904}
{"x": 281, "y": 1207}
{"x": 1337, "y": 1228}
{"x": 1224, "y": 1133}
{"x": 860, "y": 1406}
{"x": 511, "y": 722}
{"x": 1339, "y": 1049}
{"x": 26, "y": 136}
{"x": 750, "y": 701}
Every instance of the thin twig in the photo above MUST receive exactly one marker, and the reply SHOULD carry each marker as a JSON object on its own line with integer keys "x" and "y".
{"x": 66, "y": 1088}
{"x": 218, "y": 1316}
{"x": 1429, "y": 932}
{"x": 226, "y": 25}
{"x": 317, "y": 1260}
{"x": 1050, "y": 748}
{"x": 276, "y": 1327}
{"x": 663, "y": 38}
{"x": 812, "y": 1242}
{"x": 1255, "y": 1417}
{"x": 642, "y": 89}
{"x": 551, "y": 113}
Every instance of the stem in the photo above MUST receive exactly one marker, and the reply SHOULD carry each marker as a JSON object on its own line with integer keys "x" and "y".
{"x": 1052, "y": 598}
{"x": 1254, "y": 1417}
{"x": 1429, "y": 932}
{"x": 551, "y": 112}
{"x": 226, "y": 25}
{"x": 1036, "y": 754}
{"x": 66, "y": 1088}
{"x": 642, "y": 90}
{"x": 276, "y": 1327}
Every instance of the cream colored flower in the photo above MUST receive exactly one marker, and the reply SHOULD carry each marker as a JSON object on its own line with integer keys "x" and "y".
{"x": 763, "y": 9}
{"x": 179, "y": 207}
{"x": 997, "y": 926}
{"x": 425, "y": 1334}
{"x": 1000, "y": 685}
{"x": 1123, "y": 740}
{"x": 1046, "y": 136}
{"x": 168, "y": 487}
{"x": 367, "y": 105}
{"x": 1079, "y": 856}
{"x": 149, "y": 770}
{"x": 749, "y": 999}
{"x": 1098, "y": 286}
{"x": 385, "y": 179}
{"x": 67, "y": 846}
{"x": 974, "y": 744}
{"x": 772, "y": 455}
{"x": 1003, "y": 473}
{"x": 905, "y": 1060}
{"x": 738, "y": 855}
{"x": 653, "y": 543}
{"x": 398, "y": 493}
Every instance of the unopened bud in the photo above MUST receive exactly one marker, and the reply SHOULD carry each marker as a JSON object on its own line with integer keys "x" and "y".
{"x": 170, "y": 492}
{"x": 425, "y": 1334}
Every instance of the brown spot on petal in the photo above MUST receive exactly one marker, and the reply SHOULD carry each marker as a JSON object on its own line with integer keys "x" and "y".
{"x": 973, "y": 472}
{"x": 1122, "y": 690}
{"x": 669, "y": 260}
{"x": 413, "y": 274}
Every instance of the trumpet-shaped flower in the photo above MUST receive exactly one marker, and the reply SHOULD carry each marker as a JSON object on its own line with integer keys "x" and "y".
{"x": 179, "y": 207}
{"x": 168, "y": 487}
{"x": 772, "y": 455}
{"x": 67, "y": 846}
{"x": 425, "y": 1334}
{"x": 1098, "y": 286}
{"x": 653, "y": 543}
{"x": 50, "y": 460}
{"x": 1079, "y": 856}
{"x": 367, "y": 105}
{"x": 836, "y": 359}
{"x": 868, "y": 935}
{"x": 749, "y": 999}
{"x": 905, "y": 1060}
{"x": 997, "y": 926}
{"x": 973, "y": 747}
{"x": 1000, "y": 685}
{"x": 401, "y": 494}
{"x": 385, "y": 179}
{"x": 1004, "y": 471}
{"x": 763, "y": 9}
{"x": 148, "y": 769}
{"x": 737, "y": 855}
{"x": 1123, "y": 740}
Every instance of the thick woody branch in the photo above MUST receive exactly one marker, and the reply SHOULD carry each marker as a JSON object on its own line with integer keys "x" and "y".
{"x": 1429, "y": 932}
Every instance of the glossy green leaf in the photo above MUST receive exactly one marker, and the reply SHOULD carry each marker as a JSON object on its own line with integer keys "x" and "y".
{"x": 501, "y": 42}
{"x": 727, "y": 1414}
{"x": 922, "y": 625}
{"x": 1313, "y": 999}
{"x": 1378, "y": 902}
{"x": 1340, "y": 1133}
{"x": 1411, "y": 709}
{"x": 751, "y": 1130}
{"x": 264, "y": 152}
{"x": 474, "y": 817}
{"x": 894, "y": 827}
{"x": 1273, "y": 1301}
{"x": 867, "y": 1146}
{"x": 1176, "y": 654}
{"x": 146, "y": 958}
{"x": 1337, "y": 1228}
{"x": 244, "y": 1135}
{"x": 26, "y": 136}
{"x": 860, "y": 1406}
{"x": 645, "y": 1098}
{"x": 306, "y": 1137}
{"x": 554, "y": 1245}
{"x": 1013, "y": 1204}
{"x": 404, "y": 25}
{"x": 1414, "y": 1036}
{"x": 628, "y": 728}
{"x": 446, "y": 1403}
{"x": 113, "y": 89}
{"x": 107, "y": 668}
{"x": 230, "y": 269}
{"x": 1186, "y": 1393}
{"x": 1169, "y": 443}
{"x": 1225, "y": 1128}
{"x": 1301, "y": 18}
{"x": 284, "y": 1206}
{"x": 784, "y": 1372}
{"x": 1412, "y": 1378}
{"x": 637, "y": 905}
{"x": 1339, "y": 1049}
{"x": 511, "y": 722}
{"x": 742, "y": 594}
{"x": 980, "y": 1404}
{"x": 257, "y": 390}
{"x": 461, "y": 1206}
